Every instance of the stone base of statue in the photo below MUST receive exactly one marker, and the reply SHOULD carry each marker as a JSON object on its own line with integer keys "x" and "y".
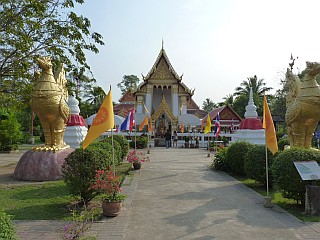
{"x": 41, "y": 165}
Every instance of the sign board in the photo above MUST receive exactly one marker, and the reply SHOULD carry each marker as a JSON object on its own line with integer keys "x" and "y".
{"x": 308, "y": 170}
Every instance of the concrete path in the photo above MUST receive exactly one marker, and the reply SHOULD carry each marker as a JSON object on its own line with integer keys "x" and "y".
{"x": 177, "y": 196}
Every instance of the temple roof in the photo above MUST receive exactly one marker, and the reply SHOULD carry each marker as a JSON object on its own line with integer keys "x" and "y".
{"x": 162, "y": 55}
{"x": 226, "y": 113}
{"x": 128, "y": 97}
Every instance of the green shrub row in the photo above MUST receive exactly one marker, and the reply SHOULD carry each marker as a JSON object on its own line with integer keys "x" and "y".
{"x": 79, "y": 168}
{"x": 245, "y": 159}
{"x": 7, "y": 229}
{"x": 141, "y": 142}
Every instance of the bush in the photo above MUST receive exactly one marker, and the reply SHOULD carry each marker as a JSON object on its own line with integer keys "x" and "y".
{"x": 10, "y": 133}
{"x": 123, "y": 143}
{"x": 80, "y": 167}
{"x": 282, "y": 143}
{"x": 117, "y": 149}
{"x": 236, "y": 154}
{"x": 141, "y": 142}
{"x": 220, "y": 160}
{"x": 285, "y": 175}
{"x": 255, "y": 164}
{"x": 7, "y": 229}
{"x": 107, "y": 146}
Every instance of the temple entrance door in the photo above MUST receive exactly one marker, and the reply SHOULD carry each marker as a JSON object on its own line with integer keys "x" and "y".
{"x": 161, "y": 126}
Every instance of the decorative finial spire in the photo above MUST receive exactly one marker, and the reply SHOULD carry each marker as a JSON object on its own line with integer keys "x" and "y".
{"x": 162, "y": 43}
{"x": 292, "y": 63}
{"x": 251, "y": 109}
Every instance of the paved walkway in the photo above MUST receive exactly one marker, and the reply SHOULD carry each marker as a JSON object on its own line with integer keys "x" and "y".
{"x": 177, "y": 196}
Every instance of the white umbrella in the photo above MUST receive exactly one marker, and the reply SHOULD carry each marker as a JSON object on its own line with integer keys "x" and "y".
{"x": 117, "y": 119}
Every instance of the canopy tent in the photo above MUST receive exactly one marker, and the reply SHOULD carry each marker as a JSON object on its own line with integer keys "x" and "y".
{"x": 117, "y": 119}
{"x": 189, "y": 119}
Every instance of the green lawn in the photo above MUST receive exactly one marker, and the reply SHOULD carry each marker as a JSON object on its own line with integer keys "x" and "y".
{"x": 36, "y": 201}
{"x": 43, "y": 201}
{"x": 288, "y": 204}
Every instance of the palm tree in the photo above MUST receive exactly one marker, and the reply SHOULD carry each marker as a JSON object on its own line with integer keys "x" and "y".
{"x": 95, "y": 97}
{"x": 258, "y": 87}
{"x": 228, "y": 100}
{"x": 208, "y": 105}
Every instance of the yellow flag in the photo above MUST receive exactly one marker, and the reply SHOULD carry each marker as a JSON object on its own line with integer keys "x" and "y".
{"x": 144, "y": 122}
{"x": 103, "y": 121}
{"x": 208, "y": 125}
{"x": 182, "y": 127}
{"x": 271, "y": 138}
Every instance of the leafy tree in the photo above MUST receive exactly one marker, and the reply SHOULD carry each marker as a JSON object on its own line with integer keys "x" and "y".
{"x": 95, "y": 97}
{"x": 208, "y": 105}
{"x": 228, "y": 100}
{"x": 30, "y": 28}
{"x": 128, "y": 82}
{"x": 258, "y": 87}
{"x": 240, "y": 103}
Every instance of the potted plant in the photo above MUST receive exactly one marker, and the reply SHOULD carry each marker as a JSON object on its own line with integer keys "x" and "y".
{"x": 136, "y": 158}
{"x": 107, "y": 184}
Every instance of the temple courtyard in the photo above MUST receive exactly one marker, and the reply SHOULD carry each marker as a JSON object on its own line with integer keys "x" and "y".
{"x": 177, "y": 196}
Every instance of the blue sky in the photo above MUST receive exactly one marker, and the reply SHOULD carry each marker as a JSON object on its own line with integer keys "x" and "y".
{"x": 214, "y": 44}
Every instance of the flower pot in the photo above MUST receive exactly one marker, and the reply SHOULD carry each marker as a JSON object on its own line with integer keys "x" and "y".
{"x": 136, "y": 166}
{"x": 111, "y": 209}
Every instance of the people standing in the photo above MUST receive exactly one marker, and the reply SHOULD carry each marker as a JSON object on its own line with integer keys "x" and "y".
{"x": 167, "y": 136}
{"x": 175, "y": 139}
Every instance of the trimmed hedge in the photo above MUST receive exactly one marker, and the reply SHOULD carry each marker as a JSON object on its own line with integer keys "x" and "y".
{"x": 285, "y": 175}
{"x": 255, "y": 164}
{"x": 220, "y": 160}
{"x": 80, "y": 167}
{"x": 282, "y": 143}
{"x": 141, "y": 141}
{"x": 7, "y": 228}
{"x": 236, "y": 155}
{"x": 123, "y": 143}
{"x": 106, "y": 144}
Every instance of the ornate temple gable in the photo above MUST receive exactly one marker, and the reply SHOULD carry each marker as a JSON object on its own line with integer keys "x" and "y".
{"x": 225, "y": 112}
{"x": 162, "y": 72}
{"x": 163, "y": 107}
{"x": 162, "y": 62}
{"x": 127, "y": 97}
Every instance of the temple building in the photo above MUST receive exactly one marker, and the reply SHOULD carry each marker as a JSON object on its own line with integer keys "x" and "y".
{"x": 164, "y": 97}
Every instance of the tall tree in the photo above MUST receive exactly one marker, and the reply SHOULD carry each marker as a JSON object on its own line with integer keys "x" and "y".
{"x": 228, "y": 100}
{"x": 95, "y": 97}
{"x": 258, "y": 87}
{"x": 208, "y": 105}
{"x": 128, "y": 82}
{"x": 31, "y": 28}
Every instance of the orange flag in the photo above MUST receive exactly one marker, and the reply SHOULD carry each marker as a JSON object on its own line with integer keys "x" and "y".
{"x": 103, "y": 121}
{"x": 271, "y": 139}
{"x": 182, "y": 127}
{"x": 150, "y": 125}
{"x": 144, "y": 122}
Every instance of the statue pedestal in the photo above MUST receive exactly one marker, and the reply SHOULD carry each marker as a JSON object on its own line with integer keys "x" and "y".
{"x": 41, "y": 165}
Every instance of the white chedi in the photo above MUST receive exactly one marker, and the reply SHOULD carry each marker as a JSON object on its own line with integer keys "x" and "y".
{"x": 75, "y": 134}
{"x": 248, "y": 135}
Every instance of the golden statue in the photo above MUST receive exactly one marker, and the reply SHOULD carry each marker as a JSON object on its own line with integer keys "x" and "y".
{"x": 49, "y": 101}
{"x": 302, "y": 102}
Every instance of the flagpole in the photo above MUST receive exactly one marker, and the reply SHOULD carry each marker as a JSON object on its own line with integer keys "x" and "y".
{"x": 267, "y": 203}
